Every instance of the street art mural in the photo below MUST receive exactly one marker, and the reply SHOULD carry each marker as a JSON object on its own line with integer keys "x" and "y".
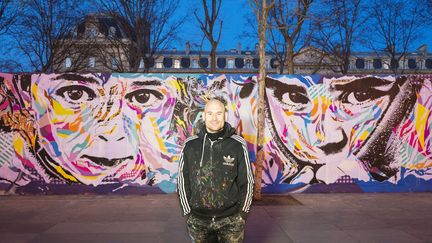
{"x": 122, "y": 133}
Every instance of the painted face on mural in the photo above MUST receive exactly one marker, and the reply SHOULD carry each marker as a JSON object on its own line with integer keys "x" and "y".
{"x": 98, "y": 128}
{"x": 321, "y": 126}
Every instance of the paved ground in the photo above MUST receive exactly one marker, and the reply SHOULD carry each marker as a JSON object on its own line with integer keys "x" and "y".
{"x": 156, "y": 218}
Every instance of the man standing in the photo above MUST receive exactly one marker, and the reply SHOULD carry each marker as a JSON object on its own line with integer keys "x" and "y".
{"x": 215, "y": 182}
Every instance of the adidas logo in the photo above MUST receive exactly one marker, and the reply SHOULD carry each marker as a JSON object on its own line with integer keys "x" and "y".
{"x": 228, "y": 160}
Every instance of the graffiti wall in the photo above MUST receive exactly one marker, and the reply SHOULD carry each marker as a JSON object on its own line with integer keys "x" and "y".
{"x": 122, "y": 133}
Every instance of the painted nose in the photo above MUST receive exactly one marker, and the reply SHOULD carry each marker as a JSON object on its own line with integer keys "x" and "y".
{"x": 333, "y": 147}
{"x": 107, "y": 138}
{"x": 331, "y": 136}
{"x": 112, "y": 132}
{"x": 112, "y": 140}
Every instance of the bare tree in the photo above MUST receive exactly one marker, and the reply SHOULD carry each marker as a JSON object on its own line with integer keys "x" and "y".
{"x": 426, "y": 13}
{"x": 287, "y": 20}
{"x": 261, "y": 10}
{"x": 8, "y": 14}
{"x": 43, "y": 31}
{"x": 339, "y": 30}
{"x": 149, "y": 26}
{"x": 9, "y": 10}
{"x": 395, "y": 26}
{"x": 207, "y": 25}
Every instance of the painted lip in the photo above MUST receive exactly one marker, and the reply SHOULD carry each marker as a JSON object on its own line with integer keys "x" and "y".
{"x": 106, "y": 162}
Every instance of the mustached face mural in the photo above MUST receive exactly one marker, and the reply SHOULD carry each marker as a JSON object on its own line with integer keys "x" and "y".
{"x": 324, "y": 128}
{"x": 94, "y": 128}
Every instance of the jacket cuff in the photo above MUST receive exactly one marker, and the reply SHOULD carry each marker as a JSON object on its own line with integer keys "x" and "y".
{"x": 244, "y": 215}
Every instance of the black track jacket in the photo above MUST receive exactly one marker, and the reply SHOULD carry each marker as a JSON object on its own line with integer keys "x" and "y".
{"x": 215, "y": 177}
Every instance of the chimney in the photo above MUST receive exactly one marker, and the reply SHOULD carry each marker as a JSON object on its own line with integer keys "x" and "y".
{"x": 239, "y": 48}
{"x": 187, "y": 48}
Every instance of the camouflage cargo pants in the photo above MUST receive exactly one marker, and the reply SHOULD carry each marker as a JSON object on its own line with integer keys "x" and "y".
{"x": 228, "y": 229}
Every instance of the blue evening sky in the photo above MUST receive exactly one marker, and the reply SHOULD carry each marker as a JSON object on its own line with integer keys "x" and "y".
{"x": 233, "y": 13}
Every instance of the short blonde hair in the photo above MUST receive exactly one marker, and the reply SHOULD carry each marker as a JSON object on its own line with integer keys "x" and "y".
{"x": 220, "y": 99}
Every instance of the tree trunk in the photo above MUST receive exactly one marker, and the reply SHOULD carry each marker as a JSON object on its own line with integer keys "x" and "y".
{"x": 213, "y": 59}
{"x": 290, "y": 59}
{"x": 281, "y": 66}
{"x": 262, "y": 30}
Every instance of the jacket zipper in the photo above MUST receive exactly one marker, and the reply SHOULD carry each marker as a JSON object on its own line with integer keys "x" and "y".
{"x": 211, "y": 151}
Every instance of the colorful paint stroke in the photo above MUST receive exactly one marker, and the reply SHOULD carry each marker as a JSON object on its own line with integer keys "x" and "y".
{"x": 123, "y": 133}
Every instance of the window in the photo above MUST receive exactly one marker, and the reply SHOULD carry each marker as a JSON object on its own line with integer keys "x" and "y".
{"x": 204, "y": 62}
{"x": 185, "y": 62}
{"x": 176, "y": 63}
{"x": 92, "y": 32}
{"x": 159, "y": 65}
{"x": 273, "y": 63}
{"x": 428, "y": 63}
{"x": 394, "y": 64}
{"x": 412, "y": 64}
{"x": 221, "y": 62}
{"x": 167, "y": 62}
{"x": 230, "y": 63}
{"x": 239, "y": 62}
{"x": 141, "y": 65}
{"x": 377, "y": 64}
{"x": 114, "y": 63}
{"x": 111, "y": 31}
{"x": 92, "y": 62}
{"x": 360, "y": 63}
{"x": 68, "y": 62}
{"x": 256, "y": 62}
{"x": 195, "y": 63}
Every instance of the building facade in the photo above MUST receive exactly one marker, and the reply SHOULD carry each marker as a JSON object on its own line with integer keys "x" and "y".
{"x": 95, "y": 35}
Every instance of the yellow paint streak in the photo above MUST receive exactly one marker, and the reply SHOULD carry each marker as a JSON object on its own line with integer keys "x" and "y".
{"x": 178, "y": 86}
{"x": 297, "y": 145}
{"x": 60, "y": 110}
{"x": 315, "y": 107}
{"x": 60, "y": 170}
{"x": 250, "y": 138}
{"x": 180, "y": 122}
{"x": 288, "y": 113}
{"x": 421, "y": 114}
{"x": 63, "y": 135}
{"x": 157, "y": 135}
{"x": 34, "y": 89}
{"x": 92, "y": 178}
{"x": 364, "y": 135}
{"x": 18, "y": 146}
{"x": 421, "y": 165}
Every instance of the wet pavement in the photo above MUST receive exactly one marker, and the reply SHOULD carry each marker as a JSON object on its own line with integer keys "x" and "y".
{"x": 332, "y": 217}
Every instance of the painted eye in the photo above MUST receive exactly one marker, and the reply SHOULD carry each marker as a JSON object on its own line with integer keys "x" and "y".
{"x": 360, "y": 97}
{"x": 357, "y": 97}
{"x": 144, "y": 97}
{"x": 294, "y": 97}
{"x": 76, "y": 94}
{"x": 293, "y": 100}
